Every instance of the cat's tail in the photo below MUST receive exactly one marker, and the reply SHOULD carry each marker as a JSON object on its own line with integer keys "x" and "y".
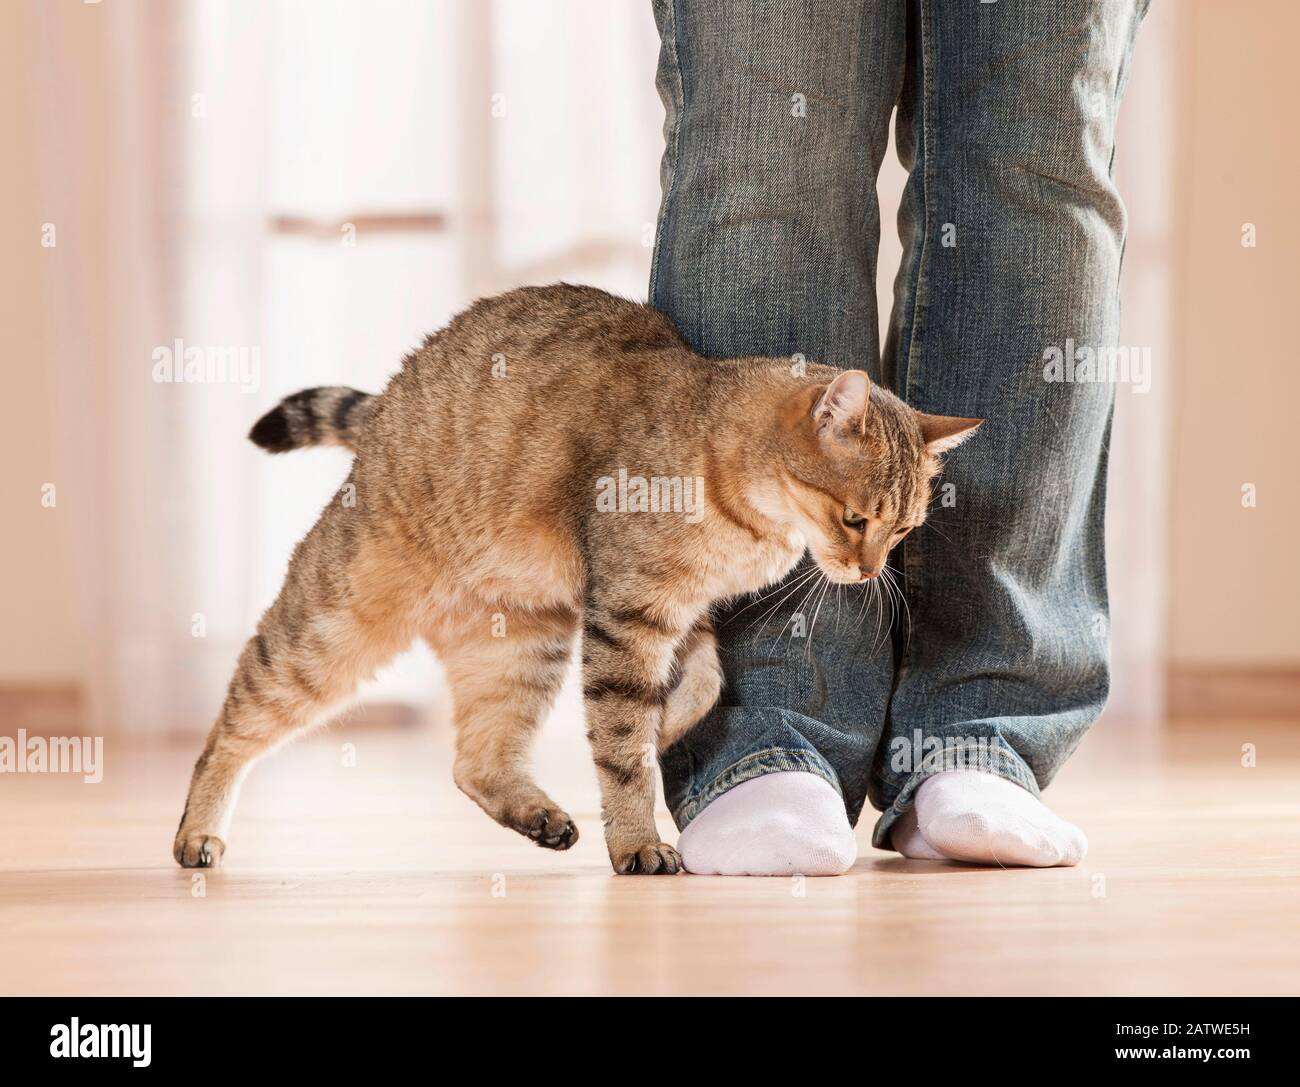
{"x": 329, "y": 415}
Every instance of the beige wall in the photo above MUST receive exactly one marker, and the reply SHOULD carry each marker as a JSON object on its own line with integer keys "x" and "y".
{"x": 39, "y": 638}
{"x": 1234, "y": 582}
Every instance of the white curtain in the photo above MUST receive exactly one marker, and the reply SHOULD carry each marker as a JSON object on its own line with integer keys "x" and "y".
{"x": 178, "y": 139}
{"x": 111, "y": 186}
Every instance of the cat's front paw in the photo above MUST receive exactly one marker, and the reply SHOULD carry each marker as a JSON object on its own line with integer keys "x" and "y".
{"x": 550, "y": 828}
{"x": 197, "y": 850}
{"x": 655, "y": 859}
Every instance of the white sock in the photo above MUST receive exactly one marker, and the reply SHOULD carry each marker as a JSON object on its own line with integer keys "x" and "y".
{"x": 970, "y": 815}
{"x": 907, "y": 839}
{"x": 781, "y": 824}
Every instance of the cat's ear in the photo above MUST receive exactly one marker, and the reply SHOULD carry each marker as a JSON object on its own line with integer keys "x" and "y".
{"x": 943, "y": 432}
{"x": 843, "y": 404}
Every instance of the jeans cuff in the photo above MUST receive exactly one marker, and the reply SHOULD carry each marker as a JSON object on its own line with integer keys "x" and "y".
{"x": 771, "y": 760}
{"x": 993, "y": 757}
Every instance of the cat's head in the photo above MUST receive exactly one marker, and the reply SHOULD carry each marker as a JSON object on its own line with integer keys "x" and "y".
{"x": 856, "y": 471}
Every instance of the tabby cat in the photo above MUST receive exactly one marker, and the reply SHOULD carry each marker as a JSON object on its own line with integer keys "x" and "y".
{"x": 557, "y": 459}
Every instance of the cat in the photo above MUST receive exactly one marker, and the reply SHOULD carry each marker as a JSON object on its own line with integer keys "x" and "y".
{"x": 489, "y": 512}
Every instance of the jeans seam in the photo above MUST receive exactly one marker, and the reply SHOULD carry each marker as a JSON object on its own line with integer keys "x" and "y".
{"x": 661, "y": 231}
{"x": 912, "y": 581}
{"x": 927, "y": 190}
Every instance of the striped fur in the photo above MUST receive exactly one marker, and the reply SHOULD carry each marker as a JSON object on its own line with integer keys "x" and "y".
{"x": 471, "y": 519}
{"x": 328, "y": 415}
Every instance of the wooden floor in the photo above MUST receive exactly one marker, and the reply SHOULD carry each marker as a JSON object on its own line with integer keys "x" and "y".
{"x": 380, "y": 878}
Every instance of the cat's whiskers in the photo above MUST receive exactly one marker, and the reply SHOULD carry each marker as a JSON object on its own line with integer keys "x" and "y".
{"x": 806, "y": 588}
{"x": 799, "y": 609}
{"x": 826, "y": 584}
{"x": 768, "y": 594}
{"x": 880, "y": 636}
{"x": 866, "y": 600}
{"x": 897, "y": 591}
{"x": 791, "y": 588}
{"x": 936, "y": 528}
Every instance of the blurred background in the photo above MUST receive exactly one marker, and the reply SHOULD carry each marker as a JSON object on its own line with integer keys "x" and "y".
{"x": 308, "y": 188}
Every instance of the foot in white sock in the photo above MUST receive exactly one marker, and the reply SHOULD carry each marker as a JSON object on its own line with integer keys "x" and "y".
{"x": 781, "y": 824}
{"x": 969, "y": 815}
{"x": 907, "y": 839}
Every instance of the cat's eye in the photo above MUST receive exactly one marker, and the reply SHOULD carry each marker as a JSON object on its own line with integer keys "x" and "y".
{"x": 853, "y": 519}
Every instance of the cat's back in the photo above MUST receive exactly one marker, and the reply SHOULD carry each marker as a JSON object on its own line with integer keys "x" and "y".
{"x": 520, "y": 387}
{"x": 563, "y": 352}
{"x": 540, "y": 325}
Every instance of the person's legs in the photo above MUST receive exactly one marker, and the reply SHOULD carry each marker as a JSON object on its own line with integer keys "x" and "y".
{"x": 1013, "y": 236}
{"x": 777, "y": 121}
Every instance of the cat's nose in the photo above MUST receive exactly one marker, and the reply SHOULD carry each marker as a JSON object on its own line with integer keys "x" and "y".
{"x": 868, "y": 574}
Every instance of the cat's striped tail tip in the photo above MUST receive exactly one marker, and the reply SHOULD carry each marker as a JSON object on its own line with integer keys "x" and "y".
{"x": 329, "y": 415}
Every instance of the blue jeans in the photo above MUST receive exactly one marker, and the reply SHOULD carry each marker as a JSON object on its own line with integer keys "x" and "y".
{"x": 778, "y": 114}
